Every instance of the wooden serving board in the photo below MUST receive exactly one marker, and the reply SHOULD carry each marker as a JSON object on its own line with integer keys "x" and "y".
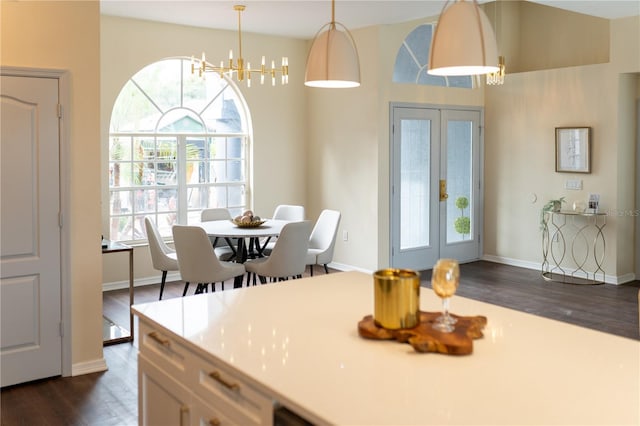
{"x": 424, "y": 338}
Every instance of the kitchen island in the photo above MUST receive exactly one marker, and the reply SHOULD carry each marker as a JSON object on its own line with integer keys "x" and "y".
{"x": 230, "y": 357}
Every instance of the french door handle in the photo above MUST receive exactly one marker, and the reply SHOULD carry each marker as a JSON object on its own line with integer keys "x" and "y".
{"x": 443, "y": 190}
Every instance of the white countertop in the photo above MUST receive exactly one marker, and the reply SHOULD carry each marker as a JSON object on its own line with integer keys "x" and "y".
{"x": 299, "y": 339}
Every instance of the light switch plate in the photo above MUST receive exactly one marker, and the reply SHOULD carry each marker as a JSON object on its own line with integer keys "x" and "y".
{"x": 575, "y": 184}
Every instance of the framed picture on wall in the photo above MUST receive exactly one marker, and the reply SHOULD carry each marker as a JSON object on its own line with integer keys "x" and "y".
{"x": 573, "y": 149}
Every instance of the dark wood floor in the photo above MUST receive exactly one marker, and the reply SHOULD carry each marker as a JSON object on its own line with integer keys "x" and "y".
{"x": 608, "y": 308}
{"x": 110, "y": 398}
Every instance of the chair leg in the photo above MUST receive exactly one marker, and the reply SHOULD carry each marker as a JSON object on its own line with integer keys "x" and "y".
{"x": 164, "y": 279}
{"x": 186, "y": 287}
{"x": 311, "y": 270}
{"x": 326, "y": 268}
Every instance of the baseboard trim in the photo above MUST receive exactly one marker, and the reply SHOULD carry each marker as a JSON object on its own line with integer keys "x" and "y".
{"x": 140, "y": 282}
{"x": 625, "y": 278}
{"x": 88, "y": 367}
{"x": 609, "y": 279}
{"x": 512, "y": 262}
{"x": 344, "y": 267}
{"x": 175, "y": 276}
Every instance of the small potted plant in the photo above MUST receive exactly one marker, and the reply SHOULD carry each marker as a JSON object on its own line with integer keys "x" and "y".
{"x": 550, "y": 206}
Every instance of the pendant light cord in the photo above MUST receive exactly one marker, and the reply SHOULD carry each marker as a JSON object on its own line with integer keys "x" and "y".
{"x": 333, "y": 11}
{"x": 239, "y": 9}
{"x": 333, "y": 15}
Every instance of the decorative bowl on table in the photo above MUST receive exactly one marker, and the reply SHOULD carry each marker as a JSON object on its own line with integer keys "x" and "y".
{"x": 251, "y": 224}
{"x": 247, "y": 220}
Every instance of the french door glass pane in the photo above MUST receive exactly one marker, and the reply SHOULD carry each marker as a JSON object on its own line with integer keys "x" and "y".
{"x": 414, "y": 183}
{"x": 459, "y": 180}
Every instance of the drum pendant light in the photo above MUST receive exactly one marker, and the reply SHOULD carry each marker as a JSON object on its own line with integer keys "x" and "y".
{"x": 333, "y": 58}
{"x": 464, "y": 42}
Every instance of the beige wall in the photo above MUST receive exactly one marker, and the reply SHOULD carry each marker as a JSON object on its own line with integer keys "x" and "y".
{"x": 552, "y": 38}
{"x": 45, "y": 35}
{"x": 536, "y": 37}
{"x": 278, "y": 114}
{"x": 340, "y": 147}
{"x": 519, "y": 151}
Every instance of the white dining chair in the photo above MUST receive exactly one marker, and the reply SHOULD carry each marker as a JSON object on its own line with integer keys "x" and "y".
{"x": 287, "y": 258}
{"x": 289, "y": 212}
{"x": 198, "y": 261}
{"x": 323, "y": 240}
{"x": 217, "y": 213}
{"x": 163, "y": 257}
{"x": 224, "y": 248}
{"x": 292, "y": 213}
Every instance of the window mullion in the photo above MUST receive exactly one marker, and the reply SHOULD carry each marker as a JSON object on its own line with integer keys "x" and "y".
{"x": 183, "y": 201}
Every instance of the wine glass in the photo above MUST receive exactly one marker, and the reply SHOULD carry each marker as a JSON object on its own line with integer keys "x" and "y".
{"x": 444, "y": 281}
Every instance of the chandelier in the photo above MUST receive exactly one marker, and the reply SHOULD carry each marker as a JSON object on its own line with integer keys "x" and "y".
{"x": 497, "y": 78}
{"x": 237, "y": 69}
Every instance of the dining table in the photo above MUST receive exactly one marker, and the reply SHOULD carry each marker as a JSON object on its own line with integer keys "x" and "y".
{"x": 247, "y": 239}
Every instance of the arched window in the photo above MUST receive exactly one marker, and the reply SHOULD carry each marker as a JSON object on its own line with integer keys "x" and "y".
{"x": 178, "y": 143}
{"x": 412, "y": 62}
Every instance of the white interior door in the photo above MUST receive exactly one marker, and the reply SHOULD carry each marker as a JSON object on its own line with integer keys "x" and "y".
{"x": 435, "y": 186}
{"x": 30, "y": 282}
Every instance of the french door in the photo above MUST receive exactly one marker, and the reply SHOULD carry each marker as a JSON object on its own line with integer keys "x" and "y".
{"x": 435, "y": 185}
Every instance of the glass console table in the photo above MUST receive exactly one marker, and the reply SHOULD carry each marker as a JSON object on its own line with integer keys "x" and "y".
{"x": 573, "y": 247}
{"x": 112, "y": 332}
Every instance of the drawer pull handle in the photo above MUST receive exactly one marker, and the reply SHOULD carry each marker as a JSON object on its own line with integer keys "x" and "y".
{"x": 163, "y": 341}
{"x": 214, "y": 422}
{"x": 218, "y": 378}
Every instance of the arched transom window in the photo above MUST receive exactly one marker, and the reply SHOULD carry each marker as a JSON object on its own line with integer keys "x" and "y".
{"x": 412, "y": 62}
{"x": 178, "y": 143}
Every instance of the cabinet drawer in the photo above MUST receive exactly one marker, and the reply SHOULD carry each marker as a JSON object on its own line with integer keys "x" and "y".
{"x": 203, "y": 414}
{"x": 163, "y": 351}
{"x": 221, "y": 388}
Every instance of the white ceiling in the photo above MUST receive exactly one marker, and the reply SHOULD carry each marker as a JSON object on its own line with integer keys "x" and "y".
{"x": 303, "y": 18}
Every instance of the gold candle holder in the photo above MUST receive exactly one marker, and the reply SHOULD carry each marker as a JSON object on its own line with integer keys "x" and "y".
{"x": 396, "y": 298}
